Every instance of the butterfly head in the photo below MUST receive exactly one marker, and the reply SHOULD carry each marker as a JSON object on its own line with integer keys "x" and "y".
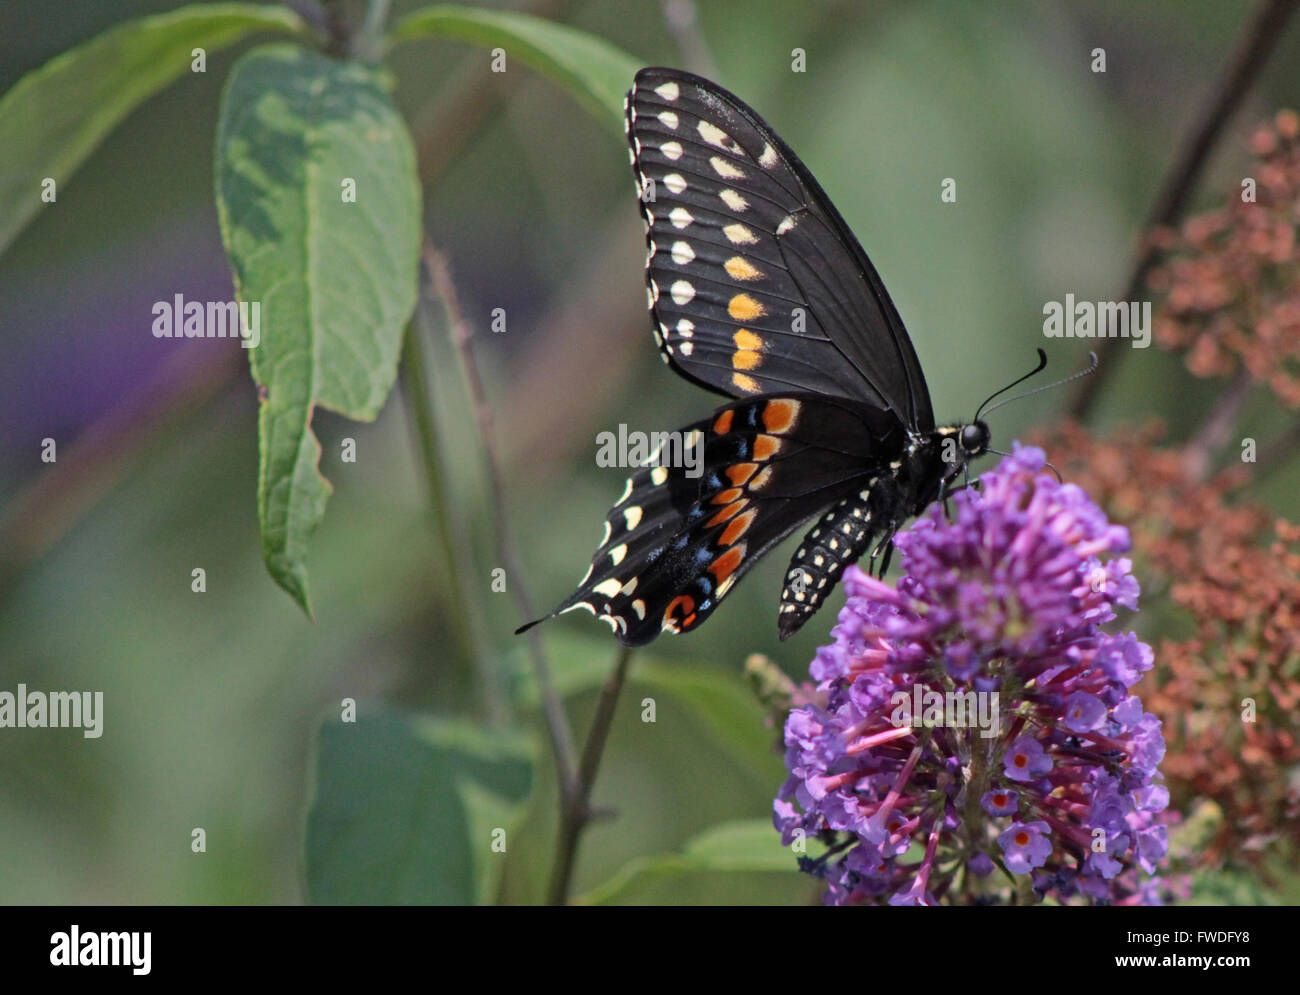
{"x": 974, "y": 439}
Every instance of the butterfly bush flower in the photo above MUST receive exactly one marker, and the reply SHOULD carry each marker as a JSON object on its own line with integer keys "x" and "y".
{"x": 1050, "y": 787}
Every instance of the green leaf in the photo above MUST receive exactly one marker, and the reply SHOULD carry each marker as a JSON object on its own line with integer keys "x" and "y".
{"x": 721, "y": 703}
{"x": 594, "y": 71}
{"x": 336, "y": 281}
{"x": 405, "y": 809}
{"x": 747, "y": 846}
{"x": 55, "y": 116}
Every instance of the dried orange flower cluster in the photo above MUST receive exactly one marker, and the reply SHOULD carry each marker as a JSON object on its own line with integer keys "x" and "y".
{"x": 1227, "y": 681}
{"x": 1230, "y": 282}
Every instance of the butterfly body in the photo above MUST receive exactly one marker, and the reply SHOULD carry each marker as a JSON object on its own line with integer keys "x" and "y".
{"x": 759, "y": 291}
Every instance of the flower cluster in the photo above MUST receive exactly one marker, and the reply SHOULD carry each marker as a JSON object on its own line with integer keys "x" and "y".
{"x": 980, "y": 741}
{"x": 1231, "y": 275}
{"x": 1228, "y": 690}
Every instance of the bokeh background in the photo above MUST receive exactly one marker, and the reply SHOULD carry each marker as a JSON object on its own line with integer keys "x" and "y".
{"x": 213, "y": 700}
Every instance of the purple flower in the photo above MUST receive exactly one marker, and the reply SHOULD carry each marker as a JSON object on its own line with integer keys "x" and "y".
{"x": 1002, "y": 802}
{"x": 1025, "y": 845}
{"x": 1084, "y": 712}
{"x": 1026, "y": 760}
{"x": 1022, "y": 738}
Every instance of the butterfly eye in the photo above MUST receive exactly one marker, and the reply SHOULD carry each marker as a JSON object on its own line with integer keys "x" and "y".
{"x": 975, "y": 437}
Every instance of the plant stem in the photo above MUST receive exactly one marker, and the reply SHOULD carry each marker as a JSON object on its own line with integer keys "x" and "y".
{"x": 1213, "y": 431}
{"x": 557, "y": 723}
{"x": 1251, "y": 52}
{"x": 576, "y": 813}
{"x": 1273, "y": 456}
{"x": 419, "y": 399}
{"x": 369, "y": 43}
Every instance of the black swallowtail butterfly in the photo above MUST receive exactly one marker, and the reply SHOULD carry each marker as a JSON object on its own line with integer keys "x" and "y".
{"x": 759, "y": 291}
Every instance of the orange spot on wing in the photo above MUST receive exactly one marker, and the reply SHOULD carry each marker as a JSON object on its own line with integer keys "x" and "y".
{"x": 682, "y": 605}
{"x": 761, "y": 481}
{"x": 738, "y": 527}
{"x": 740, "y": 268}
{"x": 766, "y": 446}
{"x": 740, "y": 472}
{"x": 726, "y": 497}
{"x": 745, "y": 383}
{"x": 725, "y": 565}
{"x": 778, "y": 416}
{"x": 727, "y": 512}
{"x": 745, "y": 339}
{"x": 742, "y": 307}
{"x": 722, "y": 424}
{"x": 746, "y": 359}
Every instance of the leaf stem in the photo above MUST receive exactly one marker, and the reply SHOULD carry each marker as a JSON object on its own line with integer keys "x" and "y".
{"x": 1255, "y": 44}
{"x": 576, "y": 813}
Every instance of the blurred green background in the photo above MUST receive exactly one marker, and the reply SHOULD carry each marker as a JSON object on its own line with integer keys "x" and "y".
{"x": 213, "y": 700}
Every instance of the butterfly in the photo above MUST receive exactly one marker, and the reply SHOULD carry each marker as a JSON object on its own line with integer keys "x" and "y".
{"x": 759, "y": 291}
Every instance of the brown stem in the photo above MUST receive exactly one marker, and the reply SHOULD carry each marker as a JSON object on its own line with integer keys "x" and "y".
{"x": 1274, "y": 455}
{"x": 577, "y": 812}
{"x": 557, "y": 724}
{"x": 683, "y": 21}
{"x": 1214, "y": 430}
{"x": 1249, "y": 55}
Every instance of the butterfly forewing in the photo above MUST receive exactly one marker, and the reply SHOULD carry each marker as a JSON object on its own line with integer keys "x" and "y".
{"x": 755, "y": 283}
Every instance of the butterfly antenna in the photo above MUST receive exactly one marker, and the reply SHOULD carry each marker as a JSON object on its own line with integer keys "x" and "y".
{"x": 1092, "y": 366}
{"x": 1042, "y": 363}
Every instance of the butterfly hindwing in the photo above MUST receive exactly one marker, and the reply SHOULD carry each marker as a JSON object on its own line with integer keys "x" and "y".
{"x": 675, "y": 543}
{"x": 756, "y": 284}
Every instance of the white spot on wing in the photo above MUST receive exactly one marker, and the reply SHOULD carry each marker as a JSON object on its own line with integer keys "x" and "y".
{"x": 673, "y": 150}
{"x": 680, "y": 217}
{"x": 682, "y": 253}
{"x": 714, "y": 135}
{"x": 675, "y": 182}
{"x": 668, "y": 91}
{"x": 733, "y": 200}
{"x": 726, "y": 169}
{"x": 609, "y": 587}
{"x": 738, "y": 234}
{"x": 683, "y": 292}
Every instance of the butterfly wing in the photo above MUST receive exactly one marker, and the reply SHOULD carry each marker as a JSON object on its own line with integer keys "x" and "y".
{"x": 675, "y": 544}
{"x": 756, "y": 283}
